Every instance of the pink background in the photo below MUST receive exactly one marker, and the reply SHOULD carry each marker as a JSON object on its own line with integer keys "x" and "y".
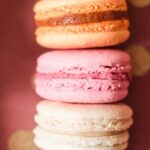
{"x": 18, "y": 53}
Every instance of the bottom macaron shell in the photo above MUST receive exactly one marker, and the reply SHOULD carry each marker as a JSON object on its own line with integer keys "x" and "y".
{"x": 45, "y": 146}
{"x": 82, "y": 96}
{"x": 71, "y": 41}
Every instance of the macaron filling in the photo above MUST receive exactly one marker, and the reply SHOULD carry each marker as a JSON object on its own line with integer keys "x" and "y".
{"x": 105, "y": 78}
{"x": 94, "y": 75}
{"x": 80, "y": 84}
{"x": 88, "y": 134}
{"x": 78, "y": 19}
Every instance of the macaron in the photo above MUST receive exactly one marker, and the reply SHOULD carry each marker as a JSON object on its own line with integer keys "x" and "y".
{"x": 96, "y": 76}
{"x": 70, "y": 24}
{"x": 82, "y": 126}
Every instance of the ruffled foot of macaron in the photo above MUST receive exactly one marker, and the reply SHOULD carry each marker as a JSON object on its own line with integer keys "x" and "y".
{"x": 82, "y": 126}
{"x": 96, "y": 76}
{"x": 69, "y": 24}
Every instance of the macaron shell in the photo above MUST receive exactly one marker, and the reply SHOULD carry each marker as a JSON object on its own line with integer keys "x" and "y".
{"x": 81, "y": 96}
{"x": 84, "y": 58}
{"x": 46, "y": 5}
{"x": 80, "y": 111}
{"x": 72, "y": 41}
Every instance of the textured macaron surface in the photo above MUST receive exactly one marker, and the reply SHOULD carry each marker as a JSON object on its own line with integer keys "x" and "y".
{"x": 68, "y": 13}
{"x": 82, "y": 126}
{"x": 80, "y": 141}
{"x": 83, "y": 71}
{"x": 83, "y": 119}
{"x": 72, "y": 20}
{"x": 48, "y": 146}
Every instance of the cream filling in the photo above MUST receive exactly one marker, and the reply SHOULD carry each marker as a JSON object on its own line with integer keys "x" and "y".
{"x": 86, "y": 134}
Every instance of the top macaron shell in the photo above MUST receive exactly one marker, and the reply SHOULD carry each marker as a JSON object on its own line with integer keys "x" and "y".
{"x": 83, "y": 76}
{"x": 69, "y": 24}
{"x": 56, "y": 60}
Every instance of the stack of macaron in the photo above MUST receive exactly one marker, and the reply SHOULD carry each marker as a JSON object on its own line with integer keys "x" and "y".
{"x": 81, "y": 85}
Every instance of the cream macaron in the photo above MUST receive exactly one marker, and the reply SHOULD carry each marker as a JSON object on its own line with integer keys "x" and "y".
{"x": 82, "y": 126}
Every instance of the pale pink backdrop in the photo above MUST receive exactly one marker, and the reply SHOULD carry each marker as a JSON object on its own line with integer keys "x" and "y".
{"x": 18, "y": 53}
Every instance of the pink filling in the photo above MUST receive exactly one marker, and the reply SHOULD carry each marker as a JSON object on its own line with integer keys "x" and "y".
{"x": 82, "y": 84}
{"x": 92, "y": 78}
{"x": 93, "y": 81}
{"x": 94, "y": 75}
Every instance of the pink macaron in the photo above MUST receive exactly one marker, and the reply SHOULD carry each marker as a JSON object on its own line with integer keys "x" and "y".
{"x": 96, "y": 76}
